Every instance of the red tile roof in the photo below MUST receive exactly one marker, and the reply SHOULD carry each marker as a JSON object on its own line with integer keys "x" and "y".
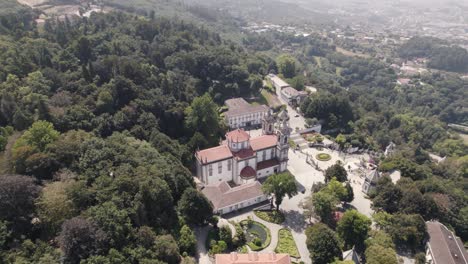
{"x": 248, "y": 172}
{"x": 253, "y": 257}
{"x": 267, "y": 164}
{"x": 263, "y": 142}
{"x": 222, "y": 195}
{"x": 238, "y": 135}
{"x": 214, "y": 154}
{"x": 244, "y": 153}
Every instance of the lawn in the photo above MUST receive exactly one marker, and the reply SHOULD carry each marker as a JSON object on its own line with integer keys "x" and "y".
{"x": 286, "y": 243}
{"x": 272, "y": 100}
{"x": 257, "y": 235}
{"x": 323, "y": 157}
{"x": 276, "y": 217}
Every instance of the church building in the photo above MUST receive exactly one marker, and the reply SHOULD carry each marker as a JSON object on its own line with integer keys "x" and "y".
{"x": 242, "y": 160}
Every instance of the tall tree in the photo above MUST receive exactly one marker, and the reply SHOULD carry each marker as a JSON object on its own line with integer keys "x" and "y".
{"x": 324, "y": 204}
{"x": 187, "y": 241}
{"x": 80, "y": 239}
{"x": 323, "y": 244}
{"x": 195, "y": 207}
{"x": 18, "y": 194}
{"x": 336, "y": 171}
{"x": 353, "y": 228}
{"x": 39, "y": 136}
{"x": 202, "y": 116}
{"x": 280, "y": 185}
{"x": 286, "y": 65}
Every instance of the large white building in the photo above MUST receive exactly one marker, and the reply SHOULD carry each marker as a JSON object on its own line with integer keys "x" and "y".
{"x": 240, "y": 161}
{"x": 243, "y": 114}
{"x": 289, "y": 94}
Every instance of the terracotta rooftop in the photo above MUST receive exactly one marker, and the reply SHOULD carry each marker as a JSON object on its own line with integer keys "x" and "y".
{"x": 248, "y": 172}
{"x": 244, "y": 153}
{"x": 238, "y": 135}
{"x": 253, "y": 257}
{"x": 214, "y": 154}
{"x": 263, "y": 142}
{"x": 267, "y": 164}
{"x": 240, "y": 107}
{"x": 445, "y": 247}
{"x": 236, "y": 103}
{"x": 222, "y": 195}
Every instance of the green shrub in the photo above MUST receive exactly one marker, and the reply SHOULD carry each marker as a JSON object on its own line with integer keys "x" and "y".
{"x": 286, "y": 243}
{"x": 276, "y": 217}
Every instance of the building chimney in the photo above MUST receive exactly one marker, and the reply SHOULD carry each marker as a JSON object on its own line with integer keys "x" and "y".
{"x": 233, "y": 256}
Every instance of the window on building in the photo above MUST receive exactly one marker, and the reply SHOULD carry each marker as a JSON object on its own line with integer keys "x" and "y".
{"x": 210, "y": 169}
{"x": 272, "y": 152}
{"x": 220, "y": 167}
{"x": 264, "y": 154}
{"x": 229, "y": 165}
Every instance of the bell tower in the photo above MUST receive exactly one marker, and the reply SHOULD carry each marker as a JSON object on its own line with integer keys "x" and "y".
{"x": 284, "y": 132}
{"x": 268, "y": 124}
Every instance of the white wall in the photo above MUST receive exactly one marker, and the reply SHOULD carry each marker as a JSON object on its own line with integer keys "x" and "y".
{"x": 267, "y": 171}
{"x": 242, "y": 204}
{"x": 217, "y": 177}
{"x": 268, "y": 154}
{"x": 240, "y": 121}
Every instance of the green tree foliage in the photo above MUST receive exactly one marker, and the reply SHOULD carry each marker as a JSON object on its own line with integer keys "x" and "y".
{"x": 114, "y": 222}
{"x": 280, "y": 185}
{"x": 334, "y": 110}
{"x": 324, "y": 204}
{"x": 441, "y": 56}
{"x": 80, "y": 239}
{"x": 336, "y": 171}
{"x": 195, "y": 207}
{"x": 17, "y": 204}
{"x": 353, "y": 229}
{"x": 54, "y": 206}
{"x": 39, "y": 136}
{"x": 286, "y": 65}
{"x": 380, "y": 249}
{"x": 323, "y": 244}
{"x": 202, "y": 116}
{"x": 187, "y": 241}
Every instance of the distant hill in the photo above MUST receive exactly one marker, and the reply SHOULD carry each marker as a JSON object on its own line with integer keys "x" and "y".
{"x": 10, "y": 6}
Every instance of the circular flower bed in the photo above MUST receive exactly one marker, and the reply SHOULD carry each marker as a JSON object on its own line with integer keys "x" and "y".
{"x": 323, "y": 157}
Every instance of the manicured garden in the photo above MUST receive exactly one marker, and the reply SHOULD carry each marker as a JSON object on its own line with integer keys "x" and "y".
{"x": 272, "y": 216}
{"x": 323, "y": 157}
{"x": 286, "y": 243}
{"x": 257, "y": 235}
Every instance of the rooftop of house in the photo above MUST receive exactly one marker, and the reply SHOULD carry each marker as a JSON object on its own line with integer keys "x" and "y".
{"x": 445, "y": 247}
{"x": 290, "y": 92}
{"x": 263, "y": 142}
{"x": 237, "y": 135}
{"x": 214, "y": 154}
{"x": 278, "y": 81}
{"x": 240, "y": 107}
{"x": 223, "y": 151}
{"x": 253, "y": 257}
{"x": 222, "y": 195}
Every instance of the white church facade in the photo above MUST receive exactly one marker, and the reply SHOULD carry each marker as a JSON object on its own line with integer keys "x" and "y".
{"x": 241, "y": 161}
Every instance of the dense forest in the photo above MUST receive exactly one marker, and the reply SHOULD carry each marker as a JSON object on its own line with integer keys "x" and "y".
{"x": 112, "y": 108}
{"x": 441, "y": 55}
{"x": 99, "y": 118}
